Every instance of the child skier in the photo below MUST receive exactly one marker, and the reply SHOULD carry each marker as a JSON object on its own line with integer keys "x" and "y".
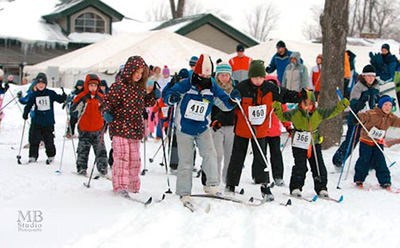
{"x": 377, "y": 121}
{"x": 123, "y": 108}
{"x": 258, "y": 96}
{"x": 42, "y": 126}
{"x": 195, "y": 97}
{"x": 90, "y": 125}
{"x": 306, "y": 146}
{"x": 73, "y": 118}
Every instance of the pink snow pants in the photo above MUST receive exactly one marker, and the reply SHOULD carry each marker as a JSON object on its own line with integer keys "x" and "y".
{"x": 126, "y": 167}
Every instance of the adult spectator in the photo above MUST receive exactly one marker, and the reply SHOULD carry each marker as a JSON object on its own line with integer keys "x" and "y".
{"x": 240, "y": 64}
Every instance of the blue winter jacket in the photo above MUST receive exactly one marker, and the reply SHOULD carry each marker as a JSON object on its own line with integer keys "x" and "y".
{"x": 279, "y": 63}
{"x": 385, "y": 65}
{"x": 42, "y": 103}
{"x": 189, "y": 92}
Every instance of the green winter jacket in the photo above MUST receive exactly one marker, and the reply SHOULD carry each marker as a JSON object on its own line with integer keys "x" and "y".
{"x": 300, "y": 119}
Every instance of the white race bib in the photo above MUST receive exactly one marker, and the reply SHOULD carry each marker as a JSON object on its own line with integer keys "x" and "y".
{"x": 164, "y": 111}
{"x": 257, "y": 114}
{"x": 376, "y": 133}
{"x": 301, "y": 140}
{"x": 196, "y": 110}
{"x": 43, "y": 103}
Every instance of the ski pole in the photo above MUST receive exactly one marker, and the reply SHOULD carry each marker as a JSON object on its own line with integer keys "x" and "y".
{"x": 284, "y": 146}
{"x": 151, "y": 160}
{"x": 254, "y": 136}
{"x": 172, "y": 134}
{"x": 144, "y": 151}
{"x": 20, "y": 144}
{"x": 351, "y": 155}
{"x": 14, "y": 97}
{"x": 345, "y": 157}
{"x": 7, "y": 104}
{"x": 163, "y": 146}
{"x": 313, "y": 146}
{"x": 68, "y": 125}
{"x": 87, "y": 185}
{"x": 366, "y": 130}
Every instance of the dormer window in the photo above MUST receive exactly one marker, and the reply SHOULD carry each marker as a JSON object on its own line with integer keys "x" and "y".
{"x": 89, "y": 22}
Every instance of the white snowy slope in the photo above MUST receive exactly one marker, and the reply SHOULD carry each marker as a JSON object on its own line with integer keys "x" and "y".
{"x": 71, "y": 215}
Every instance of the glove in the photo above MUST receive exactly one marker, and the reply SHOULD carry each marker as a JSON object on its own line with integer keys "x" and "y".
{"x": 303, "y": 95}
{"x": 277, "y": 105}
{"x": 216, "y": 125}
{"x": 174, "y": 98}
{"x": 290, "y": 131}
{"x": 64, "y": 97}
{"x": 157, "y": 93}
{"x": 19, "y": 94}
{"x": 6, "y": 86}
{"x": 25, "y": 115}
{"x": 107, "y": 117}
{"x": 268, "y": 69}
{"x": 64, "y": 105}
{"x": 145, "y": 115}
{"x": 345, "y": 103}
{"x": 153, "y": 115}
{"x": 235, "y": 94}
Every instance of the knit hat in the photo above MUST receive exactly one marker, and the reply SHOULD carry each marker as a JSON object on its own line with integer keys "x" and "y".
{"x": 103, "y": 83}
{"x": 41, "y": 78}
{"x": 223, "y": 67}
{"x": 193, "y": 60}
{"x": 368, "y": 70}
{"x": 386, "y": 46}
{"x": 165, "y": 71}
{"x": 280, "y": 44}
{"x": 183, "y": 73}
{"x": 240, "y": 48}
{"x": 383, "y": 99}
{"x": 204, "y": 65}
{"x": 257, "y": 69}
{"x": 79, "y": 83}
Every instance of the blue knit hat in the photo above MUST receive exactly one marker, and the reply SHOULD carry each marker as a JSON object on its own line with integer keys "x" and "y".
{"x": 193, "y": 60}
{"x": 223, "y": 67}
{"x": 384, "y": 99}
{"x": 183, "y": 73}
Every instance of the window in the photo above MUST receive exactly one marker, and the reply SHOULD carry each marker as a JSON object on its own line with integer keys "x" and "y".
{"x": 89, "y": 22}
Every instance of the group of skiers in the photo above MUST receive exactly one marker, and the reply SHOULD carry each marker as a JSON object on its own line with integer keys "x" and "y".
{"x": 218, "y": 111}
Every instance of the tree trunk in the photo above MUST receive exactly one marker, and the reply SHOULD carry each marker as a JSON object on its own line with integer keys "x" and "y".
{"x": 181, "y": 6}
{"x": 173, "y": 11}
{"x": 334, "y": 25}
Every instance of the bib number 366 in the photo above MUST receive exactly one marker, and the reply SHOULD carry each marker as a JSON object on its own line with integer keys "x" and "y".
{"x": 301, "y": 140}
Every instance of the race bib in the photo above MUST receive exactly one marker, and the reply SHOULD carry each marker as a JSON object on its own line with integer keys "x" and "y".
{"x": 196, "y": 110}
{"x": 376, "y": 133}
{"x": 43, "y": 103}
{"x": 164, "y": 111}
{"x": 301, "y": 140}
{"x": 257, "y": 114}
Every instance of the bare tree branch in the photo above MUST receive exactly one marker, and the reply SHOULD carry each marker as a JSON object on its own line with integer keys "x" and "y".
{"x": 261, "y": 21}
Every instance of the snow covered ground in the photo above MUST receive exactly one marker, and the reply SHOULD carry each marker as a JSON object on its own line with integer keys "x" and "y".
{"x": 71, "y": 215}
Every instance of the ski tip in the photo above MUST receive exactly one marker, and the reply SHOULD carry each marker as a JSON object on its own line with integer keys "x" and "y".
{"x": 340, "y": 199}
{"x": 241, "y": 192}
{"x": 96, "y": 177}
{"x": 143, "y": 173}
{"x": 392, "y": 164}
{"x": 251, "y": 199}
{"x": 162, "y": 197}
{"x": 314, "y": 198}
{"x": 58, "y": 172}
{"x": 289, "y": 202}
{"x": 148, "y": 201}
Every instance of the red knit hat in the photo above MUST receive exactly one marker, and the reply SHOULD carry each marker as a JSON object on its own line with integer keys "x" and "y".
{"x": 204, "y": 65}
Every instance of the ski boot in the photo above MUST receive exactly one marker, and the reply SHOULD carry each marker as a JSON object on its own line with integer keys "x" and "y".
{"x": 266, "y": 193}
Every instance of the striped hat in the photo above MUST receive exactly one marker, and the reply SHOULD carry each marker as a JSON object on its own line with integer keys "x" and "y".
{"x": 223, "y": 67}
{"x": 204, "y": 65}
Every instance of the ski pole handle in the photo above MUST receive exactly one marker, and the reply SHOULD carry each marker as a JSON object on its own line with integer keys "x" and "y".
{"x": 339, "y": 93}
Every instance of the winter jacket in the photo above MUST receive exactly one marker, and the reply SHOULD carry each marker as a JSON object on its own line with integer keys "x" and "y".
{"x": 385, "y": 65}
{"x": 72, "y": 96}
{"x": 192, "y": 99}
{"x": 240, "y": 67}
{"x": 376, "y": 118}
{"x": 295, "y": 76}
{"x": 87, "y": 104}
{"x": 279, "y": 63}
{"x": 42, "y": 102}
{"x": 347, "y": 70}
{"x": 301, "y": 121}
{"x": 126, "y": 101}
{"x": 315, "y": 77}
{"x": 225, "y": 118}
{"x": 163, "y": 108}
{"x": 363, "y": 93}
{"x": 253, "y": 96}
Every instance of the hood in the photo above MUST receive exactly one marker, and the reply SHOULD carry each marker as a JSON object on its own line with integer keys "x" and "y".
{"x": 131, "y": 65}
{"x": 79, "y": 83}
{"x": 91, "y": 78}
{"x": 295, "y": 55}
{"x": 273, "y": 79}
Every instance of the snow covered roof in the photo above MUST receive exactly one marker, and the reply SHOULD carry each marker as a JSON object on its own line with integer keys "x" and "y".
{"x": 19, "y": 22}
{"x": 156, "y": 47}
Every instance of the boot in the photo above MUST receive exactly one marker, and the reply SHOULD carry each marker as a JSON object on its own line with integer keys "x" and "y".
{"x": 266, "y": 193}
